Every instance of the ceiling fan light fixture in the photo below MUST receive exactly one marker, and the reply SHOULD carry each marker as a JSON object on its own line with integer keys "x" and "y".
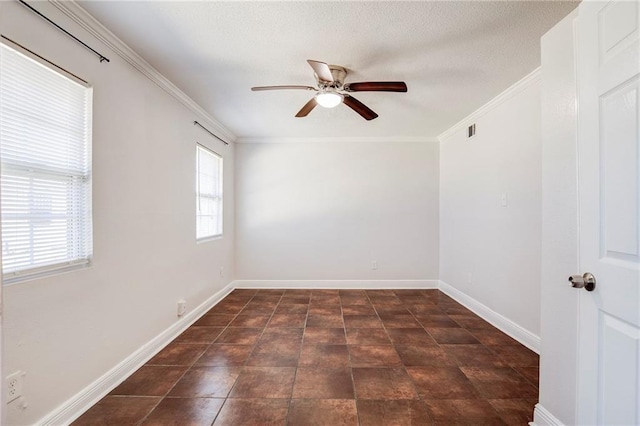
{"x": 329, "y": 99}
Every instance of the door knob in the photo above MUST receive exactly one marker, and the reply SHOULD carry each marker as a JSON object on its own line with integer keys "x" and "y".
{"x": 586, "y": 281}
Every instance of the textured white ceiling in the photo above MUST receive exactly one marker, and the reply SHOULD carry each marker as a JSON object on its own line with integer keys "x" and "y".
{"x": 453, "y": 55}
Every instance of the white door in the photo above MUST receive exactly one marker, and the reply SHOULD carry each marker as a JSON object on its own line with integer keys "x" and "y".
{"x": 608, "y": 71}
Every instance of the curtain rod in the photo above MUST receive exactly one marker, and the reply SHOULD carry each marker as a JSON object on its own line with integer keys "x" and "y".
{"x": 210, "y": 132}
{"x": 43, "y": 58}
{"x": 102, "y": 57}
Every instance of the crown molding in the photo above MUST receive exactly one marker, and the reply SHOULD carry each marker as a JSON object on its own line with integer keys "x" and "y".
{"x": 338, "y": 139}
{"x": 516, "y": 88}
{"x": 90, "y": 24}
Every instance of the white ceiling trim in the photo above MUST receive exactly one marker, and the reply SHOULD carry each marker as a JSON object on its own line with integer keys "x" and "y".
{"x": 337, "y": 139}
{"x": 516, "y": 88}
{"x": 80, "y": 16}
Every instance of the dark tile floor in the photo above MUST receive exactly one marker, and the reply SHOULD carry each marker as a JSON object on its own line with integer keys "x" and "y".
{"x": 329, "y": 357}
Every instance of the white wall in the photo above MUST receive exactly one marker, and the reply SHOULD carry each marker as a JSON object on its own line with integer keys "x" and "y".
{"x": 499, "y": 246}
{"x": 559, "y": 224}
{"x": 326, "y": 210}
{"x": 67, "y": 330}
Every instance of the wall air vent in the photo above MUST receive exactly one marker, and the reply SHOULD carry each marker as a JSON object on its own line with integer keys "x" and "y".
{"x": 471, "y": 131}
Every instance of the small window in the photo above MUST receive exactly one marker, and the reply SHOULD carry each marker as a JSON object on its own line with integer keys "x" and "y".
{"x": 208, "y": 194}
{"x": 45, "y": 170}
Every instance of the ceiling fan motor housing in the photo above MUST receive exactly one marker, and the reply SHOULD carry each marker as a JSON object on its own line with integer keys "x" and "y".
{"x": 338, "y": 73}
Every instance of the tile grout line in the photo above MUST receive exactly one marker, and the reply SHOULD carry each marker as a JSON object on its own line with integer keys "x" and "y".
{"x": 295, "y": 373}
{"x": 353, "y": 381}
{"x": 404, "y": 368}
{"x": 189, "y": 367}
{"x": 443, "y": 306}
{"x": 226, "y": 398}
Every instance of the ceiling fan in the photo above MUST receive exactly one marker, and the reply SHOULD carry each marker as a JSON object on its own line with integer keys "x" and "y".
{"x": 332, "y": 90}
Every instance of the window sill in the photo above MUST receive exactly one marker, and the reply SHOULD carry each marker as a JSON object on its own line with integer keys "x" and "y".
{"x": 45, "y": 272}
{"x": 207, "y": 239}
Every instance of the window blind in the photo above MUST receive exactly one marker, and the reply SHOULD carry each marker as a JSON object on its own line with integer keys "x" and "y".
{"x": 45, "y": 180}
{"x": 209, "y": 193}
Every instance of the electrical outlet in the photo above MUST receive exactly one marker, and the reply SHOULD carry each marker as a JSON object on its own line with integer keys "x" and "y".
{"x": 182, "y": 307}
{"x": 13, "y": 387}
{"x": 374, "y": 265}
{"x": 222, "y": 271}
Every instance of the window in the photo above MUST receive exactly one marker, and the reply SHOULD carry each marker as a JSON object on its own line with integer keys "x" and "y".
{"x": 45, "y": 177}
{"x": 208, "y": 194}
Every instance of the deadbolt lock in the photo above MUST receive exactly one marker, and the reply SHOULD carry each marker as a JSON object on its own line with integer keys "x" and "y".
{"x": 586, "y": 281}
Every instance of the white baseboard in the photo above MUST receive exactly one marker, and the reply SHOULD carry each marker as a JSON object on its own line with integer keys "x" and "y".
{"x": 339, "y": 284}
{"x": 542, "y": 417}
{"x": 503, "y": 323}
{"x": 86, "y": 398}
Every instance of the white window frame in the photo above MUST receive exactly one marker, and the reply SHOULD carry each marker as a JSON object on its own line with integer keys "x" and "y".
{"x": 79, "y": 238}
{"x": 215, "y": 197}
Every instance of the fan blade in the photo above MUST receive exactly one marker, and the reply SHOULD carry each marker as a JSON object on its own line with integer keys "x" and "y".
{"x": 359, "y": 107}
{"x": 322, "y": 70}
{"x": 260, "y": 88}
{"x": 306, "y": 109}
{"x": 377, "y": 86}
